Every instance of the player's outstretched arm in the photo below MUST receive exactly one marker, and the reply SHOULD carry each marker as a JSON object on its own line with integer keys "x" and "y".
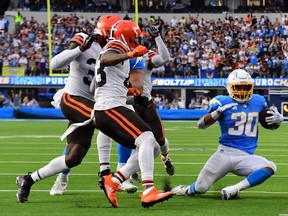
{"x": 210, "y": 118}
{"x": 64, "y": 58}
{"x": 112, "y": 57}
{"x": 164, "y": 55}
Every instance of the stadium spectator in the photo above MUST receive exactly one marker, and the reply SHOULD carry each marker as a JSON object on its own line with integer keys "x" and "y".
{"x": 126, "y": 17}
{"x": 33, "y": 103}
{"x": 191, "y": 105}
{"x": 205, "y": 103}
{"x": 4, "y": 24}
{"x": 4, "y": 101}
{"x": 17, "y": 20}
{"x": 157, "y": 98}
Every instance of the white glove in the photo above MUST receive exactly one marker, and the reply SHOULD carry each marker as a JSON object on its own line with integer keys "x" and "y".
{"x": 275, "y": 118}
{"x": 221, "y": 109}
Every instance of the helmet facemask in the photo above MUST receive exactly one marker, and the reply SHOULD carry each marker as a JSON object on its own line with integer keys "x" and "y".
{"x": 241, "y": 92}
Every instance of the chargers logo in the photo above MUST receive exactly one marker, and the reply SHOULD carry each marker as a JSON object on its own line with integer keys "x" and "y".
{"x": 155, "y": 82}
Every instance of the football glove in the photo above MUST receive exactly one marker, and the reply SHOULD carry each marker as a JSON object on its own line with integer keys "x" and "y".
{"x": 275, "y": 118}
{"x": 153, "y": 31}
{"x": 221, "y": 109}
{"x": 87, "y": 43}
{"x": 138, "y": 51}
{"x": 133, "y": 91}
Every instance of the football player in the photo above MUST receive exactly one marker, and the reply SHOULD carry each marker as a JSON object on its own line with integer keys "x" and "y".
{"x": 76, "y": 102}
{"x": 102, "y": 31}
{"x": 145, "y": 107}
{"x": 237, "y": 115}
{"x": 114, "y": 119}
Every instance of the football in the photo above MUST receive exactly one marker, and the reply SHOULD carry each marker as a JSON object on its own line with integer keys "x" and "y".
{"x": 262, "y": 115}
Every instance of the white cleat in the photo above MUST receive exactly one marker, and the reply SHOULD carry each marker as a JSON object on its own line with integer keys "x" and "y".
{"x": 59, "y": 187}
{"x": 181, "y": 190}
{"x": 127, "y": 186}
{"x": 229, "y": 192}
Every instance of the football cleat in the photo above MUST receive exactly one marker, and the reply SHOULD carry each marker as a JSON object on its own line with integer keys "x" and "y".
{"x": 168, "y": 165}
{"x": 23, "y": 188}
{"x": 127, "y": 186}
{"x": 154, "y": 197}
{"x": 181, "y": 190}
{"x": 59, "y": 186}
{"x": 110, "y": 188}
{"x": 229, "y": 192}
{"x": 134, "y": 178}
{"x": 101, "y": 179}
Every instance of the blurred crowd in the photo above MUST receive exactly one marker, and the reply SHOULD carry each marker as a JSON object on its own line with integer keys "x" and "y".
{"x": 16, "y": 99}
{"x": 196, "y": 44}
{"x": 150, "y": 6}
{"x": 196, "y": 103}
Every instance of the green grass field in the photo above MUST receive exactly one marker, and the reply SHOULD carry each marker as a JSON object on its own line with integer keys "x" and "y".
{"x": 28, "y": 145}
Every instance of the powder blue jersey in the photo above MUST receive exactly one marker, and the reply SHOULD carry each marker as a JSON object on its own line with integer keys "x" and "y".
{"x": 239, "y": 125}
{"x": 137, "y": 63}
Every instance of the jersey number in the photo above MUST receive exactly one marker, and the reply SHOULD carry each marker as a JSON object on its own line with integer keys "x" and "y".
{"x": 91, "y": 73}
{"x": 244, "y": 123}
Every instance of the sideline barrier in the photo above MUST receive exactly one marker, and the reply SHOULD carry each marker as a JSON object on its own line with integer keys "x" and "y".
{"x": 52, "y": 113}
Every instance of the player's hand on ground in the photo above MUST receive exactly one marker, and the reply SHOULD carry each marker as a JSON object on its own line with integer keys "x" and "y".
{"x": 153, "y": 31}
{"x": 275, "y": 118}
{"x": 133, "y": 92}
{"x": 138, "y": 51}
{"x": 221, "y": 109}
{"x": 87, "y": 43}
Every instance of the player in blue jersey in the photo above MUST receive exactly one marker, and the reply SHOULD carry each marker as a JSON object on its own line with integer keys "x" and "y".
{"x": 237, "y": 115}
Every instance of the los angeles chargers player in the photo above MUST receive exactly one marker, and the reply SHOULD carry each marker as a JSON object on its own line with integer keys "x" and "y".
{"x": 237, "y": 115}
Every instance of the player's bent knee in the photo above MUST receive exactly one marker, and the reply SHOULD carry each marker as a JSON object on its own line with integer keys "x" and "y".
{"x": 201, "y": 189}
{"x": 70, "y": 162}
{"x": 271, "y": 166}
{"x": 146, "y": 138}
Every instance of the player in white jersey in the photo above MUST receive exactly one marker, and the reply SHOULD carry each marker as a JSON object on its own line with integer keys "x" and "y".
{"x": 76, "y": 102}
{"x": 237, "y": 115}
{"x": 120, "y": 123}
{"x": 144, "y": 106}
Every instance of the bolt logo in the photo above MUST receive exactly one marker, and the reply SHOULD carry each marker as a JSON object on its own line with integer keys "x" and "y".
{"x": 285, "y": 109}
{"x": 173, "y": 82}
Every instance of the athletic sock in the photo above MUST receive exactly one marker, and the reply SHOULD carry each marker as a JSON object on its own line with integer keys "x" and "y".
{"x": 55, "y": 166}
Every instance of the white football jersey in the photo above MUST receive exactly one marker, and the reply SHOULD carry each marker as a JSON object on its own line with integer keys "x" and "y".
{"x": 82, "y": 70}
{"x": 111, "y": 82}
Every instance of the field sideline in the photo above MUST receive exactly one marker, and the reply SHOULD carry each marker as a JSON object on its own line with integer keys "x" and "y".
{"x": 28, "y": 145}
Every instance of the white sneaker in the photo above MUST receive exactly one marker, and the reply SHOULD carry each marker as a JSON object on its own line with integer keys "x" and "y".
{"x": 181, "y": 190}
{"x": 59, "y": 187}
{"x": 127, "y": 186}
{"x": 229, "y": 192}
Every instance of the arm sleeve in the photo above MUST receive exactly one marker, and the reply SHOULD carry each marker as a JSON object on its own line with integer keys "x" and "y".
{"x": 163, "y": 56}
{"x": 64, "y": 58}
